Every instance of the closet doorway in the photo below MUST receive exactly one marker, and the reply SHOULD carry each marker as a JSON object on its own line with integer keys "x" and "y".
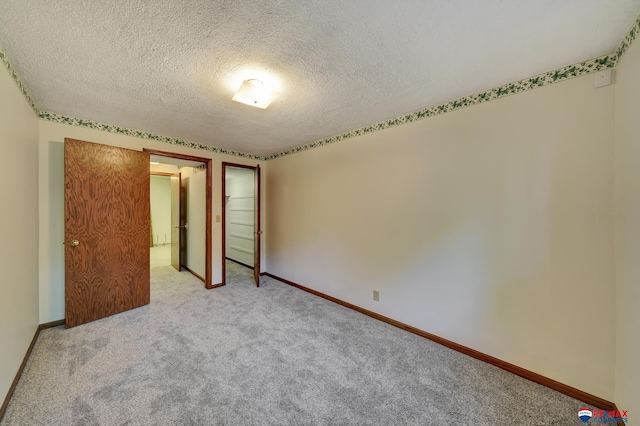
{"x": 181, "y": 226}
{"x": 241, "y": 230}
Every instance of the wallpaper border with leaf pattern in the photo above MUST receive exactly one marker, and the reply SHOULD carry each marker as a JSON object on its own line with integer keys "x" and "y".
{"x": 79, "y": 122}
{"x": 541, "y": 80}
{"x": 14, "y": 75}
{"x": 545, "y": 79}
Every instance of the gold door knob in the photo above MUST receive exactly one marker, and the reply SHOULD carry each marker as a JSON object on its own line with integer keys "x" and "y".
{"x": 75, "y": 243}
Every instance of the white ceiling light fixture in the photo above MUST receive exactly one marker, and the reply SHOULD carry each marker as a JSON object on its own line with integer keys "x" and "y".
{"x": 253, "y": 92}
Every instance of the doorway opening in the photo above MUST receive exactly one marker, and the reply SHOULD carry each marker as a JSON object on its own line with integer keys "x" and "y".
{"x": 241, "y": 229}
{"x": 179, "y": 234}
{"x": 160, "y": 200}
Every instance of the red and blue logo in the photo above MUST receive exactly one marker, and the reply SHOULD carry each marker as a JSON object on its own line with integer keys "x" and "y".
{"x": 585, "y": 414}
{"x": 602, "y": 416}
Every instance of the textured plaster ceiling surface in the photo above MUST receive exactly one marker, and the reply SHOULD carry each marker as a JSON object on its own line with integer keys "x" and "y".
{"x": 171, "y": 67}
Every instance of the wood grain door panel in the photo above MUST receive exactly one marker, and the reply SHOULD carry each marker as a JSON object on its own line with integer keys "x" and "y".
{"x": 107, "y": 211}
{"x": 176, "y": 213}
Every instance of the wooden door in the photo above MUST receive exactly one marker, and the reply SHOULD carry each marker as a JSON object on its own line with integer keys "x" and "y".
{"x": 107, "y": 213}
{"x": 183, "y": 222}
{"x": 175, "y": 221}
{"x": 258, "y": 231}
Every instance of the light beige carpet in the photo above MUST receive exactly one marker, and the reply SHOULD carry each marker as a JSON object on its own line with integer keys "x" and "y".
{"x": 274, "y": 355}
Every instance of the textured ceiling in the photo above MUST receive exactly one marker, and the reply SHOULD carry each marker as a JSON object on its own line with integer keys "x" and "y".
{"x": 171, "y": 67}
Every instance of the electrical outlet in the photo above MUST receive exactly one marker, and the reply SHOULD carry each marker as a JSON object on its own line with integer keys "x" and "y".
{"x": 376, "y": 295}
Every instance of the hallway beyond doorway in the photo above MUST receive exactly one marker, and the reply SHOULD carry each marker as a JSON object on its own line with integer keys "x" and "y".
{"x": 160, "y": 255}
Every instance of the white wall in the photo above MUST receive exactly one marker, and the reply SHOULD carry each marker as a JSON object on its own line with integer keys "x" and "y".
{"x": 490, "y": 226}
{"x": 51, "y": 197}
{"x": 240, "y": 215}
{"x": 163, "y": 168}
{"x": 160, "y": 195}
{"x": 627, "y": 248}
{"x": 195, "y": 182}
{"x": 18, "y": 229}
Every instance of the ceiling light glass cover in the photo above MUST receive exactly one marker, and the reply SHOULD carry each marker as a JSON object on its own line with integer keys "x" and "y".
{"x": 254, "y": 93}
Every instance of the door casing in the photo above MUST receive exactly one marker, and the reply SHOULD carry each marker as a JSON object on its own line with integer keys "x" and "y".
{"x": 257, "y": 237}
{"x": 208, "y": 275}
